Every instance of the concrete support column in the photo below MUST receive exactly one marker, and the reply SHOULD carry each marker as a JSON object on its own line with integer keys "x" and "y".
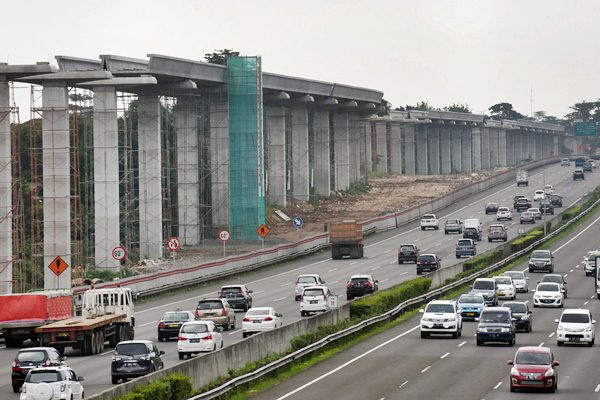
{"x": 494, "y": 148}
{"x": 381, "y": 151}
{"x": 149, "y": 143}
{"x": 395, "y": 148}
{"x": 555, "y": 147}
{"x": 106, "y": 177}
{"x": 410, "y": 166}
{"x": 476, "y": 148}
{"x": 366, "y": 151}
{"x": 355, "y": 140}
{"x": 446, "y": 149}
{"x": 433, "y": 144}
{"x": 275, "y": 127}
{"x": 6, "y": 206}
{"x": 485, "y": 148}
{"x": 467, "y": 152}
{"x": 422, "y": 150}
{"x": 56, "y": 159}
{"x": 300, "y": 172}
{"x": 341, "y": 138}
{"x": 219, "y": 159}
{"x": 539, "y": 148}
{"x": 510, "y": 148}
{"x": 321, "y": 167}
{"x": 456, "y": 150}
{"x": 188, "y": 182}
{"x": 502, "y": 156}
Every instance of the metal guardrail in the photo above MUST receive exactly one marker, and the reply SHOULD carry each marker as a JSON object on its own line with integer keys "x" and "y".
{"x": 233, "y": 383}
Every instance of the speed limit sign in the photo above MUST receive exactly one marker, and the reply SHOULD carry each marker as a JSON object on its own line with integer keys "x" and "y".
{"x": 119, "y": 253}
{"x": 224, "y": 236}
{"x": 173, "y": 243}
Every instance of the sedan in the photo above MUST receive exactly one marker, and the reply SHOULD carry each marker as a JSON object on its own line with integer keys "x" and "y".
{"x": 360, "y": 285}
{"x": 519, "y": 280}
{"x": 260, "y": 319}
{"x": 537, "y": 214}
{"x": 171, "y": 322}
{"x": 522, "y": 315}
{"x": 198, "y": 336}
{"x": 491, "y": 208}
{"x": 533, "y": 367}
{"x": 527, "y": 218}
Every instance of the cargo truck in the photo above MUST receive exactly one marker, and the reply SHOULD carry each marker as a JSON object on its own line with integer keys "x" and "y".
{"x": 346, "y": 239}
{"x": 21, "y": 313}
{"x": 522, "y": 178}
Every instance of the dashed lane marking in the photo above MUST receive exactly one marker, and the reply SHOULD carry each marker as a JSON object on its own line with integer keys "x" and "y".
{"x": 384, "y": 280}
{"x": 566, "y": 275}
{"x": 597, "y": 389}
{"x": 404, "y": 273}
{"x": 462, "y": 344}
{"x": 259, "y": 292}
{"x": 586, "y": 303}
{"x": 285, "y": 284}
{"x": 424, "y": 250}
{"x": 402, "y": 385}
{"x": 234, "y": 332}
{"x": 393, "y": 262}
{"x": 570, "y": 270}
{"x": 387, "y": 251}
{"x": 353, "y": 262}
{"x": 333, "y": 283}
{"x": 333, "y": 269}
{"x": 375, "y": 268}
{"x": 425, "y": 369}
{"x": 552, "y": 334}
{"x": 541, "y": 344}
{"x": 497, "y": 385}
{"x": 445, "y": 355}
{"x": 283, "y": 298}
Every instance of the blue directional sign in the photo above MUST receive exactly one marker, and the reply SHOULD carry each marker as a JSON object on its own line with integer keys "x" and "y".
{"x": 298, "y": 222}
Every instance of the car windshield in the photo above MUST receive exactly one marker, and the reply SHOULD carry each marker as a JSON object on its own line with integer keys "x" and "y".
{"x": 176, "y": 316}
{"x": 194, "y": 328}
{"x": 131, "y": 349}
{"x": 452, "y": 222}
{"x": 495, "y": 316}
{"x": 496, "y": 228}
{"x": 492, "y": 204}
{"x": 527, "y": 214}
{"x": 307, "y": 279}
{"x": 440, "y": 308}
{"x": 209, "y": 305}
{"x": 231, "y": 292}
{"x": 548, "y": 288}
{"x": 516, "y": 307}
{"x": 428, "y": 216}
{"x": 540, "y": 254}
{"x": 470, "y": 230}
{"x": 503, "y": 280}
{"x": 502, "y": 209}
{"x": 31, "y": 356}
{"x": 360, "y": 280}
{"x": 483, "y": 285}
{"x": 426, "y": 259}
{"x": 575, "y": 318}
{"x": 532, "y": 358}
{"x": 465, "y": 243}
{"x": 470, "y": 299}
{"x": 255, "y": 312}
{"x": 314, "y": 292}
{"x": 406, "y": 249}
{"x": 44, "y": 376}
{"x": 515, "y": 275}
{"x": 552, "y": 278}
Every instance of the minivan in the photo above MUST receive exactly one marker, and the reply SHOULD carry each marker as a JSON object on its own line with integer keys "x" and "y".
{"x": 487, "y": 287}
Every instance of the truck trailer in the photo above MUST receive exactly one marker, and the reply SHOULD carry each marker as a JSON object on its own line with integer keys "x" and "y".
{"x": 346, "y": 239}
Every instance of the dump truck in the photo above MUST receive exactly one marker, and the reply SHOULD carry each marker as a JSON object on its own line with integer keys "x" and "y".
{"x": 21, "y": 313}
{"x": 346, "y": 239}
{"x": 522, "y": 178}
{"x": 106, "y": 315}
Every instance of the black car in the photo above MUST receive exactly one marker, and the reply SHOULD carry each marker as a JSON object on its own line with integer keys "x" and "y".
{"x": 27, "y": 359}
{"x": 516, "y": 198}
{"x": 238, "y": 296}
{"x": 496, "y": 325}
{"x": 360, "y": 285}
{"x": 523, "y": 204}
{"x": 522, "y": 315}
{"x": 555, "y": 199}
{"x": 578, "y": 174}
{"x": 472, "y": 233}
{"x": 491, "y": 208}
{"x": 134, "y": 358}
{"x": 546, "y": 207}
{"x": 428, "y": 263}
{"x": 408, "y": 253}
{"x": 171, "y": 322}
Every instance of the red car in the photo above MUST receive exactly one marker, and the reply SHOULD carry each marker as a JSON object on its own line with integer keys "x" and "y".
{"x": 534, "y": 367}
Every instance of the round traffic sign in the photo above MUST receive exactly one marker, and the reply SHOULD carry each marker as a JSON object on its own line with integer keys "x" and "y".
{"x": 298, "y": 222}
{"x": 173, "y": 243}
{"x": 119, "y": 253}
{"x": 224, "y": 236}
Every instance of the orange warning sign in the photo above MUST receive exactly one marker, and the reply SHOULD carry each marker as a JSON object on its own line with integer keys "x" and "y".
{"x": 58, "y": 266}
{"x": 263, "y": 230}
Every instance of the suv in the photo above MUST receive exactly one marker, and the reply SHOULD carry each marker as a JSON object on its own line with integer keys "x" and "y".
{"x": 238, "y": 296}
{"x": 171, "y": 322}
{"x": 453, "y": 225}
{"x": 590, "y": 262}
{"x": 314, "y": 299}
{"x": 522, "y": 315}
{"x": 465, "y": 247}
{"x": 486, "y": 287}
{"x": 575, "y": 326}
{"x": 556, "y": 278}
{"x": 541, "y": 260}
{"x": 546, "y": 207}
{"x": 134, "y": 358}
{"x": 428, "y": 263}
{"x": 304, "y": 281}
{"x": 497, "y": 232}
{"x": 503, "y": 213}
{"x": 360, "y": 285}
{"x": 216, "y": 310}
{"x": 33, "y": 357}
{"x": 578, "y": 174}
{"x": 491, "y": 208}
{"x": 441, "y": 316}
{"x": 588, "y": 167}
{"x": 516, "y": 198}
{"x": 408, "y": 253}
{"x": 565, "y": 162}
{"x": 496, "y": 325}
{"x": 472, "y": 233}
{"x": 526, "y": 217}
{"x": 429, "y": 221}
{"x": 522, "y": 204}
{"x": 58, "y": 382}
{"x": 555, "y": 199}
{"x": 539, "y": 195}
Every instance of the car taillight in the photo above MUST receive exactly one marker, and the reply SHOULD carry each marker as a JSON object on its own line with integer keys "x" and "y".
{"x": 15, "y": 368}
{"x": 325, "y": 296}
{"x": 182, "y": 338}
{"x": 63, "y": 387}
{"x": 196, "y": 313}
{"x": 47, "y": 363}
{"x": 414, "y": 253}
{"x": 209, "y": 337}
{"x": 302, "y": 297}
{"x": 161, "y": 325}
{"x": 432, "y": 263}
{"x": 268, "y": 319}
{"x": 246, "y": 319}
{"x": 223, "y": 312}
{"x": 419, "y": 262}
{"x": 368, "y": 284}
{"x": 350, "y": 284}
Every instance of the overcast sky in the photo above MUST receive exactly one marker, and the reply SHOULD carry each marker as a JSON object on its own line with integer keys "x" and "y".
{"x": 474, "y": 52}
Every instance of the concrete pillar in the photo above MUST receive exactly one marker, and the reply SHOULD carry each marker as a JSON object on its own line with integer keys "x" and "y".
{"x": 476, "y": 148}
{"x": 300, "y": 172}
{"x": 188, "y": 181}
{"x": 106, "y": 177}
{"x": 366, "y": 151}
{"x": 510, "y": 147}
{"x": 6, "y": 207}
{"x": 494, "y": 148}
{"x": 219, "y": 159}
{"x": 433, "y": 145}
{"x": 467, "y": 152}
{"x": 539, "y": 148}
{"x": 502, "y": 156}
{"x": 410, "y": 166}
{"x": 149, "y": 143}
{"x": 422, "y": 150}
{"x": 395, "y": 148}
{"x": 355, "y": 140}
{"x": 341, "y": 138}
{"x": 381, "y": 150}
{"x": 276, "y": 171}
{"x": 485, "y": 148}
{"x": 56, "y": 159}
{"x": 321, "y": 167}
{"x": 456, "y": 149}
{"x": 555, "y": 148}
{"x": 445, "y": 134}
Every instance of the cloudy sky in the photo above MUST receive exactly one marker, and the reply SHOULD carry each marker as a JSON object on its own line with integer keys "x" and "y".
{"x": 475, "y": 52}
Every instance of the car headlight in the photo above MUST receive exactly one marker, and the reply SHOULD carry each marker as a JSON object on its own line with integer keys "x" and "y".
{"x": 588, "y": 329}
{"x": 483, "y": 330}
{"x": 460, "y": 310}
{"x": 504, "y": 330}
{"x": 550, "y": 372}
{"x": 514, "y": 371}
{"x": 426, "y": 319}
{"x": 145, "y": 357}
{"x": 525, "y": 317}
{"x": 560, "y": 329}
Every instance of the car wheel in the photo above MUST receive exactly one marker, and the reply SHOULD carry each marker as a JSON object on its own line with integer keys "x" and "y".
{"x": 244, "y": 334}
{"x": 513, "y": 389}
{"x": 479, "y": 342}
{"x": 114, "y": 380}
{"x": 181, "y": 356}
{"x": 424, "y": 335}
{"x": 590, "y": 344}
{"x": 349, "y": 298}
{"x": 530, "y": 327}
{"x": 16, "y": 388}
{"x": 530, "y": 270}
{"x": 214, "y": 347}
{"x": 559, "y": 343}
{"x": 455, "y": 335}
{"x": 160, "y": 338}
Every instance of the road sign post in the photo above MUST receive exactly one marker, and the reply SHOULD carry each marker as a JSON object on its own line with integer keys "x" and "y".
{"x": 173, "y": 244}
{"x": 119, "y": 253}
{"x": 224, "y": 237}
{"x": 263, "y": 231}
{"x": 298, "y": 223}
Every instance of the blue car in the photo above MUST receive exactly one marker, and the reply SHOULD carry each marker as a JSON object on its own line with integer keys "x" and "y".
{"x": 470, "y": 305}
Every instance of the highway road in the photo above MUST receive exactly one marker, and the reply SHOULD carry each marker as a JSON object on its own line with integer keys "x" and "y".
{"x": 274, "y": 285}
{"x": 398, "y": 364}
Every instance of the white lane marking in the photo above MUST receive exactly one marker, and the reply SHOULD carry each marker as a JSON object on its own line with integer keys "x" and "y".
{"x": 577, "y": 266}
{"x": 450, "y": 239}
{"x": 283, "y": 298}
{"x": 234, "y": 332}
{"x": 416, "y": 240}
{"x": 258, "y": 292}
{"x": 333, "y": 269}
{"x": 541, "y": 344}
{"x": 393, "y": 262}
{"x": 384, "y": 280}
{"x": 344, "y": 365}
{"x": 404, "y": 273}
{"x": 566, "y": 275}
{"x": 425, "y": 369}
{"x": 497, "y": 385}
{"x": 424, "y": 250}
{"x": 586, "y": 303}
{"x": 375, "y": 268}
{"x": 403, "y": 384}
{"x": 107, "y": 352}
{"x": 353, "y": 262}
{"x": 570, "y": 270}
{"x": 437, "y": 244}
{"x": 597, "y": 389}
{"x": 333, "y": 283}
{"x": 574, "y": 202}
{"x": 430, "y": 235}
{"x": 462, "y": 344}
{"x": 285, "y": 284}
{"x": 2, "y": 347}
{"x": 592, "y": 297}
{"x": 552, "y": 334}
{"x": 387, "y": 251}
{"x": 445, "y": 355}
{"x": 514, "y": 222}
{"x": 148, "y": 323}
{"x": 450, "y": 255}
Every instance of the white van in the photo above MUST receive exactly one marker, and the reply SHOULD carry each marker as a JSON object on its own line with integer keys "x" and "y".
{"x": 472, "y": 229}
{"x": 314, "y": 299}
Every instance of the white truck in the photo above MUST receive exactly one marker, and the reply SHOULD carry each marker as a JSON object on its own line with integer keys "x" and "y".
{"x": 522, "y": 178}
{"x": 472, "y": 229}
{"x": 429, "y": 221}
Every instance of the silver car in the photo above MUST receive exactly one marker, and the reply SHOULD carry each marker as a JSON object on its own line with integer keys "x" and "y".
{"x": 519, "y": 280}
{"x": 488, "y": 288}
{"x": 537, "y": 214}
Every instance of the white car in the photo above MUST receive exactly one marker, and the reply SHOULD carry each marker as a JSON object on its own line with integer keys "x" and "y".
{"x": 304, "y": 281}
{"x": 589, "y": 262}
{"x": 548, "y": 189}
{"x": 505, "y": 287}
{"x": 197, "y": 337}
{"x": 539, "y": 195}
{"x": 52, "y": 383}
{"x": 575, "y": 326}
{"x": 429, "y": 221}
{"x": 441, "y": 316}
{"x": 548, "y": 294}
{"x": 503, "y": 213}
{"x": 314, "y": 299}
{"x": 519, "y": 280}
{"x": 260, "y": 319}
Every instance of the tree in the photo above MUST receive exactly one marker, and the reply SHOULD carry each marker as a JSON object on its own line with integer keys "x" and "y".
{"x": 422, "y": 106}
{"x": 504, "y": 111}
{"x": 384, "y": 108}
{"x": 455, "y": 107}
{"x": 540, "y": 115}
{"x": 220, "y": 56}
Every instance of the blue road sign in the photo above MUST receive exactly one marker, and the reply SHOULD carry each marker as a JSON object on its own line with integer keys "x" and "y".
{"x": 298, "y": 222}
